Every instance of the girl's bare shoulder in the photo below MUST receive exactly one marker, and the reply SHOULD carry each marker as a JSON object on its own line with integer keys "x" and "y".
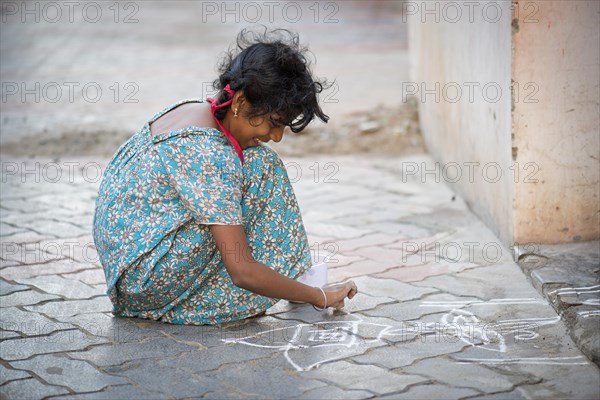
{"x": 183, "y": 116}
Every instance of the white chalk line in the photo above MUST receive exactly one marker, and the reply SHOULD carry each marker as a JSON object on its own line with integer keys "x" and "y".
{"x": 454, "y": 304}
{"x": 479, "y": 335}
{"x": 527, "y": 360}
{"x": 576, "y": 290}
{"x": 588, "y": 314}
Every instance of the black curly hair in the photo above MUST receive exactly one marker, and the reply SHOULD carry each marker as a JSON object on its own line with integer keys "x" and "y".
{"x": 273, "y": 71}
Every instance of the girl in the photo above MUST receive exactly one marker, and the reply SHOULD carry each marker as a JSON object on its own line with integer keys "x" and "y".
{"x": 196, "y": 221}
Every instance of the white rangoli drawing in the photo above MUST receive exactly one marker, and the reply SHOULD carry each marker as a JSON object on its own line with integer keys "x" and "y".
{"x": 308, "y": 345}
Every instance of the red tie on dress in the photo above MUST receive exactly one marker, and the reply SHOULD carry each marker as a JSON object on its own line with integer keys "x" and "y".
{"x": 214, "y": 107}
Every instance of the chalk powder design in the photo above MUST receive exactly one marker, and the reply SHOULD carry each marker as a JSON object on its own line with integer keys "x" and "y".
{"x": 308, "y": 345}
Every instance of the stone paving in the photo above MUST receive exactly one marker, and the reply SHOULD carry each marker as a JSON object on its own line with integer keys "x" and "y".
{"x": 443, "y": 311}
{"x": 568, "y": 275}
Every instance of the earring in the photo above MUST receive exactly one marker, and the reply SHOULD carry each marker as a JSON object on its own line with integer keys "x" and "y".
{"x": 235, "y": 112}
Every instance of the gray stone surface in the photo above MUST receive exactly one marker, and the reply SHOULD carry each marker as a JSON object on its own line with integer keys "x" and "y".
{"x": 391, "y": 288}
{"x": 57, "y": 342}
{"x": 29, "y": 389}
{"x": 153, "y": 376}
{"x": 406, "y": 353}
{"x": 9, "y": 334}
{"x": 445, "y": 370}
{"x": 433, "y": 391}
{"x": 71, "y": 289}
{"x": 118, "y": 353}
{"x": 116, "y": 392}
{"x": 516, "y": 394}
{"x": 10, "y": 374}
{"x": 428, "y": 328}
{"x": 30, "y": 323}
{"x": 25, "y": 297}
{"x": 114, "y": 329}
{"x": 60, "y": 371}
{"x": 584, "y": 322}
{"x": 62, "y": 266}
{"x": 362, "y": 302}
{"x": 561, "y": 378}
{"x": 333, "y": 392}
{"x": 365, "y": 377}
{"x": 7, "y": 288}
{"x": 568, "y": 275}
{"x": 258, "y": 379}
{"x": 92, "y": 276}
{"x": 405, "y": 311}
{"x": 69, "y": 308}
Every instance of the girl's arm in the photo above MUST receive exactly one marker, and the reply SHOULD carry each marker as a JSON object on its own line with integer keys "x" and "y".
{"x": 256, "y": 277}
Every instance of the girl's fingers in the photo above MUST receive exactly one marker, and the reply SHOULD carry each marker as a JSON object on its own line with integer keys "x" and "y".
{"x": 352, "y": 290}
{"x": 339, "y": 305}
{"x": 341, "y": 291}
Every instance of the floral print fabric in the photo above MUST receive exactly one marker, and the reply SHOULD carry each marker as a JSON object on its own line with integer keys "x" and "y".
{"x": 157, "y": 198}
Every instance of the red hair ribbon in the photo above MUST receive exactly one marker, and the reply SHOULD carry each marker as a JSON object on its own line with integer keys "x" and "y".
{"x": 214, "y": 107}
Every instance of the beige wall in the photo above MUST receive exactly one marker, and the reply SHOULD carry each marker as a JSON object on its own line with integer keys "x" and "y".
{"x": 559, "y": 55}
{"x": 472, "y": 131}
{"x": 543, "y": 138}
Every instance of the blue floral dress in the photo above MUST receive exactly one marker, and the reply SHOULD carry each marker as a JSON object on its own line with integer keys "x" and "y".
{"x": 157, "y": 198}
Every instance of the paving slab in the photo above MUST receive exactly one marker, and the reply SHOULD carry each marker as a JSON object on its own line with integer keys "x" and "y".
{"x": 57, "y": 342}
{"x": 30, "y": 389}
{"x": 333, "y": 392}
{"x": 110, "y": 354}
{"x": 433, "y": 391}
{"x": 568, "y": 275}
{"x": 27, "y": 253}
{"x": 444, "y": 370}
{"x": 172, "y": 382}
{"x": 59, "y": 370}
{"x": 5, "y": 334}
{"x": 30, "y": 323}
{"x": 418, "y": 273}
{"x": 7, "y": 288}
{"x": 63, "y": 266}
{"x": 10, "y": 374}
{"x": 92, "y": 276}
{"x": 257, "y": 379}
{"x": 400, "y": 291}
{"x": 402, "y": 311}
{"x": 365, "y": 377}
{"x": 26, "y": 297}
{"x": 567, "y": 378}
{"x": 67, "y": 288}
{"x": 116, "y": 392}
{"x": 70, "y": 308}
{"x": 406, "y": 353}
{"x": 584, "y": 322}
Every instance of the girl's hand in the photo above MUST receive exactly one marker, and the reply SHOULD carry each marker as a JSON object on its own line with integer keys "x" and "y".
{"x": 336, "y": 294}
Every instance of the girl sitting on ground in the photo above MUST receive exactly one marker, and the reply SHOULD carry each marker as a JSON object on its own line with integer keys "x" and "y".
{"x": 196, "y": 221}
